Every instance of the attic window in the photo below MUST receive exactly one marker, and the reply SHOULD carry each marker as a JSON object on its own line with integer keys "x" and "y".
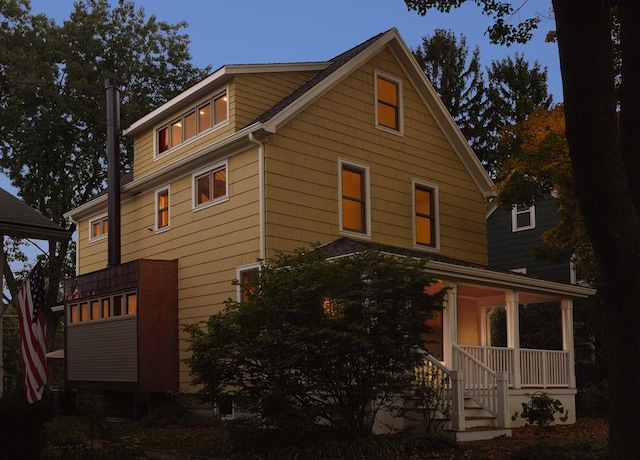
{"x": 523, "y": 217}
{"x": 388, "y": 107}
{"x": 206, "y": 115}
{"x": 425, "y": 208}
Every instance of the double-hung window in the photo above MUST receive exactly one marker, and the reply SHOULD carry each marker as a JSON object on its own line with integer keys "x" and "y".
{"x": 388, "y": 107}
{"x": 354, "y": 198}
{"x": 523, "y": 217}
{"x": 162, "y": 208}
{"x": 98, "y": 228}
{"x": 425, "y": 211}
{"x": 210, "y": 186}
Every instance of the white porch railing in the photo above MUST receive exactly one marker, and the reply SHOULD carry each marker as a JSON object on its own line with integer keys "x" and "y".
{"x": 538, "y": 368}
{"x": 480, "y": 382}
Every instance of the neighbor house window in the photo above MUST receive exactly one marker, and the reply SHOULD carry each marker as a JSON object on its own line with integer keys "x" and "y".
{"x": 388, "y": 102}
{"x": 523, "y": 217}
{"x": 194, "y": 121}
{"x": 354, "y": 198}
{"x": 162, "y": 209}
{"x": 210, "y": 186}
{"x": 425, "y": 214}
{"x": 98, "y": 228}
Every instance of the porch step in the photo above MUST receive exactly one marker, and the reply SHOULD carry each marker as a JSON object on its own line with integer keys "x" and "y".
{"x": 480, "y": 433}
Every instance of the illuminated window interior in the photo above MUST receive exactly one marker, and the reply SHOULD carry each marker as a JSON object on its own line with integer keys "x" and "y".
{"x": 388, "y": 103}
{"x": 193, "y": 122}
{"x": 163, "y": 209}
{"x": 424, "y": 218}
{"x": 353, "y": 199}
{"x": 99, "y": 228}
{"x": 99, "y": 308}
{"x": 211, "y": 186}
{"x": 248, "y": 283}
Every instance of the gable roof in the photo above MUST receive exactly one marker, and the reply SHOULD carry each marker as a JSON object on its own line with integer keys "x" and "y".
{"x": 459, "y": 270}
{"x": 20, "y": 220}
{"x": 328, "y": 74}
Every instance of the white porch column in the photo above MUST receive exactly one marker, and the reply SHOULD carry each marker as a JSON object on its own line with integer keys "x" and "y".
{"x": 513, "y": 333}
{"x": 450, "y": 325}
{"x": 567, "y": 339}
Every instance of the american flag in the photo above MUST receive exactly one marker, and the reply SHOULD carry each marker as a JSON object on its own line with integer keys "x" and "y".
{"x": 31, "y": 316}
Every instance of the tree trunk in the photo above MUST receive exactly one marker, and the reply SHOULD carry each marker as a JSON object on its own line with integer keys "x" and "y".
{"x": 606, "y": 172}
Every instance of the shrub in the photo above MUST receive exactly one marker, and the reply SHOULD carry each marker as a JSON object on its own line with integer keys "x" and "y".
{"x": 541, "y": 410}
{"x": 22, "y": 434}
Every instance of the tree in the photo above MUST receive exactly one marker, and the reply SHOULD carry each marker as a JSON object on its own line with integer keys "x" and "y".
{"x": 52, "y": 103}
{"x": 318, "y": 341}
{"x": 458, "y": 80}
{"x": 512, "y": 90}
{"x": 603, "y": 138}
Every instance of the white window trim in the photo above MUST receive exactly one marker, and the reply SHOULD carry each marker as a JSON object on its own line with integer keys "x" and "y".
{"x": 194, "y": 199}
{"x": 156, "y": 213}
{"x": 367, "y": 218}
{"x": 436, "y": 214}
{"x": 158, "y": 155}
{"x": 522, "y": 271}
{"x": 91, "y": 221}
{"x": 514, "y": 219}
{"x": 239, "y": 271}
{"x": 398, "y": 81}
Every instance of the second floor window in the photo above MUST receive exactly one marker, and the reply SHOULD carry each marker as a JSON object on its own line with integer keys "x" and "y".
{"x": 523, "y": 217}
{"x": 98, "y": 228}
{"x": 354, "y": 202}
{"x": 210, "y": 186}
{"x": 162, "y": 209}
{"x": 425, "y": 214}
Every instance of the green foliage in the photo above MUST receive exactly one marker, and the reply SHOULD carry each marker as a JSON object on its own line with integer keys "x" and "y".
{"x": 317, "y": 341}
{"x": 52, "y": 100}
{"x": 541, "y": 410}
{"x": 458, "y": 79}
{"x": 502, "y": 32}
{"x": 482, "y": 105}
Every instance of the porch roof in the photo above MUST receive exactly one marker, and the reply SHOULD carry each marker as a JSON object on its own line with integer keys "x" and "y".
{"x": 460, "y": 271}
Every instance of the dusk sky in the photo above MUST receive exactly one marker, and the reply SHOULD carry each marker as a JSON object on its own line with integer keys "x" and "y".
{"x": 258, "y": 31}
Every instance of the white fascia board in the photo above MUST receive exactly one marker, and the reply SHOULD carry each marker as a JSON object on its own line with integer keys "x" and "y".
{"x": 443, "y": 118}
{"x": 225, "y": 147}
{"x": 326, "y": 84}
{"x": 509, "y": 280}
{"x": 218, "y": 78}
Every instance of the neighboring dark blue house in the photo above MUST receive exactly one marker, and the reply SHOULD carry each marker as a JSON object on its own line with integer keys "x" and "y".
{"x": 514, "y": 233}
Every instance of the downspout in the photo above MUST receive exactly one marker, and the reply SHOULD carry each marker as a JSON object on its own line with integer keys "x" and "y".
{"x": 112, "y": 88}
{"x": 261, "y": 202}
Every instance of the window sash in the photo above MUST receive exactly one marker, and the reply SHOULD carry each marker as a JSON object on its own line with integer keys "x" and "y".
{"x": 353, "y": 199}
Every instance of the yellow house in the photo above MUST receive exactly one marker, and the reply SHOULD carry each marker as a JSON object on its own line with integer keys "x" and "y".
{"x": 350, "y": 152}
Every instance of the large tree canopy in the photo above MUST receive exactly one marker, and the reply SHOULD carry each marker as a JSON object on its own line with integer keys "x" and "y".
{"x": 482, "y": 105}
{"x": 603, "y": 134}
{"x": 52, "y": 99}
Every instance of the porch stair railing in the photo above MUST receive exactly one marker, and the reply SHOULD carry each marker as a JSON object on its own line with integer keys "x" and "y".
{"x": 483, "y": 385}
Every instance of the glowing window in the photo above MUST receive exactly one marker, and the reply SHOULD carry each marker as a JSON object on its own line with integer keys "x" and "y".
{"x": 95, "y": 309}
{"x": 163, "y": 140}
{"x": 98, "y": 228}
{"x": 204, "y": 117}
{"x": 84, "y": 311}
{"x": 162, "y": 209}
{"x": 220, "y": 109}
{"x": 353, "y": 199}
{"x": 424, "y": 215}
{"x": 132, "y": 304}
{"x": 388, "y": 105}
{"x": 210, "y": 186}
{"x": 189, "y": 125}
{"x": 105, "y": 308}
